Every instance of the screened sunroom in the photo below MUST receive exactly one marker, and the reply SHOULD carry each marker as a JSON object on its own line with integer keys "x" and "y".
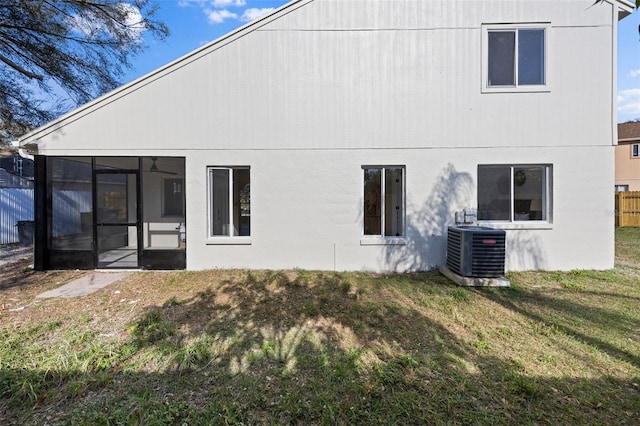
{"x": 110, "y": 213}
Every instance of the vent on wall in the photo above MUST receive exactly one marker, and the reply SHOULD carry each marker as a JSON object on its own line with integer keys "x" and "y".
{"x": 476, "y": 251}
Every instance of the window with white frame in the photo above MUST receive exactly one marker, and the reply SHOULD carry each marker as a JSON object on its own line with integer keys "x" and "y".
{"x": 635, "y": 150}
{"x": 514, "y": 193}
{"x": 229, "y": 202}
{"x": 515, "y": 57}
{"x": 383, "y": 208}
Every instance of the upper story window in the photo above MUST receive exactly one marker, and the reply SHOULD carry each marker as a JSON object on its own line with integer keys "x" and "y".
{"x": 515, "y": 58}
{"x": 635, "y": 150}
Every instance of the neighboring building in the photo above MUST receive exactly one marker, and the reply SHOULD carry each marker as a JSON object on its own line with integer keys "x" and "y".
{"x": 15, "y": 171}
{"x": 346, "y": 135}
{"x": 628, "y": 157}
{"x": 15, "y": 164}
{"x": 16, "y": 196}
{"x": 10, "y": 180}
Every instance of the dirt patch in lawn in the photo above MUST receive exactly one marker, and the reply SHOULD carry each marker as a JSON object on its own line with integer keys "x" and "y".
{"x": 20, "y": 284}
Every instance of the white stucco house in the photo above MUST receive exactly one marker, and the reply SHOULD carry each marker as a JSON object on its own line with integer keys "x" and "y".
{"x": 346, "y": 134}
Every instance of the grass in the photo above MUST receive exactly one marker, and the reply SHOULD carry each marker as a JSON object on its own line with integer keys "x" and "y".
{"x": 306, "y": 347}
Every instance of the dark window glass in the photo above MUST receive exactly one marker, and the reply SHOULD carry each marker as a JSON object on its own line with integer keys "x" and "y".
{"x": 526, "y": 46}
{"x": 383, "y": 201}
{"x": 529, "y": 193}
{"x": 501, "y": 58}
{"x": 230, "y": 213}
{"x": 241, "y": 202}
{"x": 517, "y": 193}
{"x": 530, "y": 57}
{"x": 393, "y": 203}
{"x": 494, "y": 193}
{"x": 372, "y": 201}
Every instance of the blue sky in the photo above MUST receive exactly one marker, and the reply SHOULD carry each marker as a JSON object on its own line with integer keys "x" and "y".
{"x": 629, "y": 68}
{"x": 194, "y": 23}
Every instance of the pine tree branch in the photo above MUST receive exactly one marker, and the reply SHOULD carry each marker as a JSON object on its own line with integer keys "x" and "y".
{"x": 20, "y": 69}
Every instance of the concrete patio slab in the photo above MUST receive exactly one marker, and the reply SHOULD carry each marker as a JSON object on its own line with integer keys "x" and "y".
{"x": 85, "y": 285}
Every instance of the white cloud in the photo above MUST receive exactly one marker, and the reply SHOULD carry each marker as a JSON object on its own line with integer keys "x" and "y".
{"x": 185, "y": 3}
{"x": 132, "y": 30}
{"x": 254, "y": 13}
{"x": 219, "y": 16}
{"x": 227, "y": 3}
{"x": 634, "y": 73}
{"x": 629, "y": 102}
{"x": 217, "y": 11}
{"x": 134, "y": 21}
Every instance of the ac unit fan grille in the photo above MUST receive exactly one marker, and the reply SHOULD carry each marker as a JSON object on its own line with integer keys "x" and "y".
{"x": 476, "y": 251}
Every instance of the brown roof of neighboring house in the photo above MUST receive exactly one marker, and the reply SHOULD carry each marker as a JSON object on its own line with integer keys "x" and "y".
{"x": 6, "y": 152}
{"x": 630, "y": 130}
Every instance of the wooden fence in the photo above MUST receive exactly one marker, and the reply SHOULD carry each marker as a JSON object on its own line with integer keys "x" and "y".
{"x": 627, "y": 207}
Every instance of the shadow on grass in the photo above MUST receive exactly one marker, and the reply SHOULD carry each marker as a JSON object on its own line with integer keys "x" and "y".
{"x": 14, "y": 274}
{"x": 592, "y": 324}
{"x": 309, "y": 348}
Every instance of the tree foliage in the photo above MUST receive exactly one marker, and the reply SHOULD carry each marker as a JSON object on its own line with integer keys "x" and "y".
{"x": 58, "y": 54}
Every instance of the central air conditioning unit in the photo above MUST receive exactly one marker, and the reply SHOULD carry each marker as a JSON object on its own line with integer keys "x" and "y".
{"x": 476, "y": 251}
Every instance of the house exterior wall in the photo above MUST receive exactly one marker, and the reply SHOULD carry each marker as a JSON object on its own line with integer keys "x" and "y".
{"x": 308, "y": 97}
{"x": 310, "y": 217}
{"x": 627, "y": 167}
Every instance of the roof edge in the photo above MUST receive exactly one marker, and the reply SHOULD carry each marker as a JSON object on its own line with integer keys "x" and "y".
{"x": 158, "y": 73}
{"x": 626, "y": 7}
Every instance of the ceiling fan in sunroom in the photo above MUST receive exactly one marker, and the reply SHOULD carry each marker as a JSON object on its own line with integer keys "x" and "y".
{"x": 154, "y": 168}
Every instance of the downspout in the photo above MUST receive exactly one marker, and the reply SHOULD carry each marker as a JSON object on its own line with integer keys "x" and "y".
{"x": 614, "y": 74}
{"x": 620, "y": 10}
{"x": 21, "y": 151}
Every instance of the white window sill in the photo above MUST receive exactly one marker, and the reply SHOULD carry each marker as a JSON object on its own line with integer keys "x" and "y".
{"x": 383, "y": 241}
{"x": 525, "y": 224}
{"x": 517, "y": 89}
{"x": 228, "y": 241}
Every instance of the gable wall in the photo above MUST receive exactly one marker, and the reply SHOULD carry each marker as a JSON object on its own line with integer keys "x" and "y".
{"x": 368, "y": 74}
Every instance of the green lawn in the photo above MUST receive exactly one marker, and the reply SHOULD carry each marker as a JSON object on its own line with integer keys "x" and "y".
{"x": 277, "y": 347}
